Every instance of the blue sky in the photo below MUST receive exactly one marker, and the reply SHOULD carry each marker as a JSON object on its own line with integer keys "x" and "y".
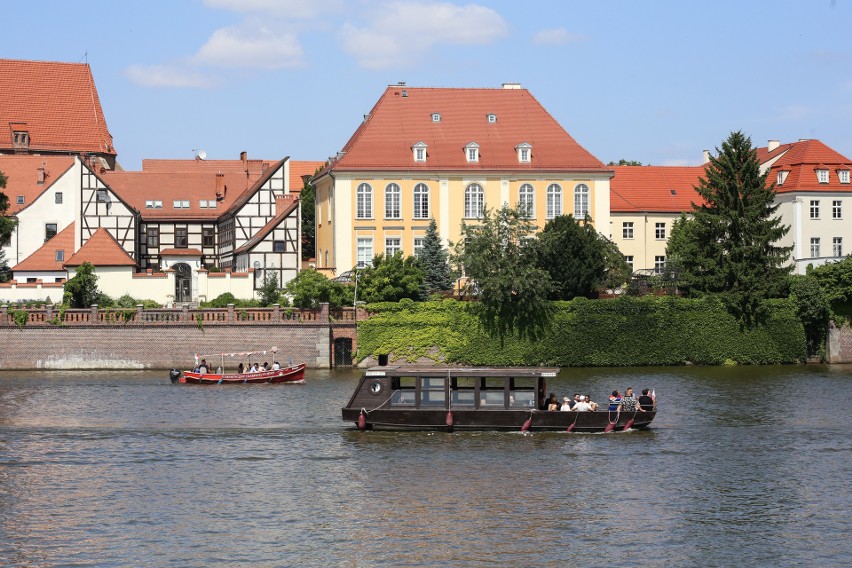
{"x": 654, "y": 81}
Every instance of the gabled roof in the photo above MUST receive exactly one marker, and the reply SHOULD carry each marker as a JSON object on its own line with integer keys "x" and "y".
{"x": 403, "y": 116}
{"x": 300, "y": 169}
{"x": 658, "y": 189}
{"x": 251, "y": 169}
{"x": 101, "y": 250}
{"x": 285, "y": 205}
{"x": 56, "y": 103}
{"x": 802, "y": 160}
{"x": 44, "y": 258}
{"x": 21, "y": 173}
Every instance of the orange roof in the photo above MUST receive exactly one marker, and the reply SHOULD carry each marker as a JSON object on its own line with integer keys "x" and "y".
{"x": 162, "y": 166}
{"x": 801, "y": 161}
{"x": 44, "y": 259}
{"x": 301, "y": 168}
{"x": 21, "y": 173}
{"x": 659, "y": 189}
{"x": 403, "y": 117}
{"x": 101, "y": 250}
{"x": 56, "y": 103}
{"x": 180, "y": 252}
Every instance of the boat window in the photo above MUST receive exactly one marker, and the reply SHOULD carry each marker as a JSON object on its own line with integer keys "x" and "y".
{"x": 522, "y": 392}
{"x": 464, "y": 391}
{"x": 403, "y": 391}
{"x": 432, "y": 392}
{"x": 492, "y": 391}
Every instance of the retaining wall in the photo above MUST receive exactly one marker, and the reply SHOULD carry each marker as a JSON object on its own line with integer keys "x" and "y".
{"x": 838, "y": 345}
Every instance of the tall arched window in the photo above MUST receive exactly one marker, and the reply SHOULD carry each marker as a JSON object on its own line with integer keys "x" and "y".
{"x": 581, "y": 201}
{"x": 392, "y": 209}
{"x": 474, "y": 201}
{"x": 421, "y": 201}
{"x": 364, "y": 202}
{"x": 526, "y": 200}
{"x": 554, "y": 201}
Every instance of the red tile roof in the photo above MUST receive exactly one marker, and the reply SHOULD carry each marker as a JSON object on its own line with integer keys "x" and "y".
{"x": 659, "y": 189}
{"x": 162, "y": 166}
{"x": 403, "y": 117}
{"x": 44, "y": 259}
{"x": 57, "y": 103}
{"x": 801, "y": 161}
{"x": 22, "y": 177}
{"x": 101, "y": 250}
{"x": 301, "y": 168}
{"x": 180, "y": 252}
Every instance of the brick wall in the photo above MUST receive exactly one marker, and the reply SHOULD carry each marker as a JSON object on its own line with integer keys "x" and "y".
{"x": 839, "y": 344}
{"x": 158, "y": 347}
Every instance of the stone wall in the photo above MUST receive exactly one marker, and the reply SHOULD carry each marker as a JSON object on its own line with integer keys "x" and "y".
{"x": 838, "y": 345}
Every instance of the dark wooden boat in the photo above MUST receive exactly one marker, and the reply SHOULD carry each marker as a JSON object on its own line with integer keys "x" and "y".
{"x": 291, "y": 374}
{"x": 471, "y": 398}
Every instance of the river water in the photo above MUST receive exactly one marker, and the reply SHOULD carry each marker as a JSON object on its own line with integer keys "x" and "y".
{"x": 744, "y": 466}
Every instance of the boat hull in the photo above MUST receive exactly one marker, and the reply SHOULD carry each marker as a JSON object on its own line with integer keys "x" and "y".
{"x": 293, "y": 374}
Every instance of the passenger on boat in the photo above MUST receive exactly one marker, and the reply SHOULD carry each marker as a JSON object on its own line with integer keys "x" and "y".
{"x": 566, "y": 404}
{"x": 551, "y": 403}
{"x": 630, "y": 403}
{"x": 240, "y": 368}
{"x": 276, "y": 365}
{"x": 646, "y": 402}
{"x": 592, "y": 404}
{"x": 582, "y": 405}
{"x": 265, "y": 366}
{"x": 614, "y": 401}
{"x": 202, "y": 368}
{"x": 253, "y": 368}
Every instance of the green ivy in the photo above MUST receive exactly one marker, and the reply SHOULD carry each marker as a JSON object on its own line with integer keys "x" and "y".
{"x": 21, "y": 317}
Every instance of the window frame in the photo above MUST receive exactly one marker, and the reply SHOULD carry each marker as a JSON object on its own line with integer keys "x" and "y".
{"x": 152, "y": 237}
{"x": 279, "y": 246}
{"x": 814, "y": 209}
{"x": 837, "y": 246}
{"x": 417, "y": 246}
{"x": 660, "y": 231}
{"x": 363, "y": 248}
{"x": 822, "y": 176}
{"x": 659, "y": 264}
{"x": 47, "y": 231}
{"x": 815, "y": 247}
{"x": 208, "y": 237}
{"x": 553, "y": 201}
{"x": 472, "y": 192}
{"x": 57, "y": 198}
{"x": 581, "y": 201}
{"x": 393, "y": 201}
{"x": 526, "y": 198}
{"x": 181, "y": 237}
{"x": 843, "y": 176}
{"x": 364, "y": 201}
{"x": 59, "y": 255}
{"x": 837, "y": 209}
{"x": 627, "y": 230}
{"x": 392, "y": 249}
{"x": 421, "y": 201}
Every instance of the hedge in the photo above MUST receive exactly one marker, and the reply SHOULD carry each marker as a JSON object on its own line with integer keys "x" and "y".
{"x": 625, "y": 331}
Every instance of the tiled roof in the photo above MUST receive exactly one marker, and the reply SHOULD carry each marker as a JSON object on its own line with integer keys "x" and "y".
{"x": 659, "y": 189}
{"x": 403, "y": 116}
{"x": 299, "y": 169}
{"x": 161, "y": 166}
{"x": 101, "y": 250}
{"x": 56, "y": 103}
{"x": 21, "y": 173}
{"x": 180, "y": 252}
{"x": 764, "y": 154}
{"x": 44, "y": 259}
{"x": 801, "y": 161}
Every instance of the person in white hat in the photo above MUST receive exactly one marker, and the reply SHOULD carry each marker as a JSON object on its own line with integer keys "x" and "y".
{"x": 582, "y": 405}
{"x": 566, "y": 404}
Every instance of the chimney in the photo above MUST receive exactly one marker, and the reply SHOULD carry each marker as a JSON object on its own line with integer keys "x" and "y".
{"x": 511, "y": 85}
{"x": 244, "y": 158}
{"x": 40, "y": 174}
{"x": 706, "y": 156}
{"x": 772, "y": 145}
{"x": 220, "y": 186}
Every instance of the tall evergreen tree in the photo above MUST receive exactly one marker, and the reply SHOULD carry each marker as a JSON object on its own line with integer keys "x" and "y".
{"x": 574, "y": 255}
{"x": 83, "y": 287}
{"x": 728, "y": 247}
{"x": 307, "y": 198}
{"x": 7, "y": 224}
{"x": 434, "y": 259}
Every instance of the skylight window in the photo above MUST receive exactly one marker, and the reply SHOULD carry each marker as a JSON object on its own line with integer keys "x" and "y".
{"x": 492, "y": 118}
{"x": 180, "y": 204}
{"x": 436, "y": 117}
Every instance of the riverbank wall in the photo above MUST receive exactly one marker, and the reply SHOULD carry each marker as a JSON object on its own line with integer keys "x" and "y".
{"x": 162, "y": 339}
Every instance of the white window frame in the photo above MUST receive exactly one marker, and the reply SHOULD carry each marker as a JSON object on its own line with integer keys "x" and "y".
{"x": 553, "y": 201}
{"x": 629, "y": 260}
{"x": 822, "y": 176}
{"x": 419, "y": 152}
{"x": 837, "y": 246}
{"x": 581, "y": 201}
{"x": 660, "y": 231}
{"x": 627, "y": 230}
{"x": 474, "y": 201}
{"x": 837, "y": 209}
{"x": 491, "y": 118}
{"x": 419, "y": 243}
{"x": 843, "y": 176}
{"x": 524, "y": 150}
{"x": 364, "y": 201}
{"x": 393, "y": 245}
{"x": 436, "y": 117}
{"x": 815, "y": 247}
{"x": 393, "y": 201}
{"x": 659, "y": 264}
{"x": 526, "y": 200}
{"x": 814, "y": 208}
{"x": 471, "y": 152}
{"x": 421, "y": 201}
{"x": 364, "y": 251}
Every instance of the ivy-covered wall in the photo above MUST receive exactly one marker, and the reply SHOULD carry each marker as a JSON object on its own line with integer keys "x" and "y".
{"x": 616, "y": 332}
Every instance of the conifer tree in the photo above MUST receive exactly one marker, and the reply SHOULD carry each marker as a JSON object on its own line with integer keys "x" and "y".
{"x": 729, "y": 246}
{"x": 7, "y": 224}
{"x": 434, "y": 259}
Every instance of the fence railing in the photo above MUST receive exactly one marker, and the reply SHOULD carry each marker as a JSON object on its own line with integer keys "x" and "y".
{"x": 11, "y": 316}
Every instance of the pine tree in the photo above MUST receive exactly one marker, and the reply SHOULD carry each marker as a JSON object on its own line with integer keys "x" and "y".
{"x": 434, "y": 259}
{"x": 728, "y": 247}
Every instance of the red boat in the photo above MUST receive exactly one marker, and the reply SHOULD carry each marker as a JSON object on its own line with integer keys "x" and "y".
{"x": 289, "y": 373}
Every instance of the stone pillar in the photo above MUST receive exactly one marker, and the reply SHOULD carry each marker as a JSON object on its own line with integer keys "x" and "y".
{"x": 230, "y": 313}
{"x": 276, "y": 312}
{"x": 94, "y": 317}
{"x": 323, "y": 315}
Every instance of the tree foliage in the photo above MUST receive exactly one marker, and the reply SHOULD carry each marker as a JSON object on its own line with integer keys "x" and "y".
{"x": 390, "y": 279}
{"x": 269, "y": 291}
{"x": 835, "y": 280}
{"x": 7, "y": 224}
{"x": 623, "y": 162}
{"x": 728, "y": 246}
{"x": 82, "y": 289}
{"x": 813, "y": 309}
{"x": 499, "y": 256}
{"x": 307, "y": 198}
{"x": 310, "y": 288}
{"x": 434, "y": 258}
{"x": 575, "y": 257}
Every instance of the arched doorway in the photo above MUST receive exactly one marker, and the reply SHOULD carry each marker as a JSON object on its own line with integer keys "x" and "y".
{"x": 183, "y": 283}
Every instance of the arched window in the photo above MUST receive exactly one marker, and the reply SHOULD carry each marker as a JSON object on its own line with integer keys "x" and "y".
{"x": 364, "y": 202}
{"x": 474, "y": 201}
{"x": 421, "y": 201}
{"x": 554, "y": 201}
{"x": 581, "y": 201}
{"x": 526, "y": 200}
{"x": 392, "y": 209}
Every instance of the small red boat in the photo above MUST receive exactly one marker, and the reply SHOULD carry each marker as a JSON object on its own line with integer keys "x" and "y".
{"x": 289, "y": 373}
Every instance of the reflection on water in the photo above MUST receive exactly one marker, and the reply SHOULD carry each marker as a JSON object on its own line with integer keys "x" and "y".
{"x": 743, "y": 466}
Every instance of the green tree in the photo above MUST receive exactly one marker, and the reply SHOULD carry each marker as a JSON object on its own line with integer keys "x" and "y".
{"x": 390, "y": 279}
{"x": 82, "y": 289}
{"x": 7, "y": 224}
{"x": 728, "y": 247}
{"x": 835, "y": 280}
{"x": 269, "y": 291}
{"x": 5, "y": 273}
{"x": 310, "y": 288}
{"x": 574, "y": 255}
{"x": 499, "y": 256}
{"x": 813, "y": 309}
{"x": 434, "y": 259}
{"x": 623, "y": 162}
{"x": 307, "y": 198}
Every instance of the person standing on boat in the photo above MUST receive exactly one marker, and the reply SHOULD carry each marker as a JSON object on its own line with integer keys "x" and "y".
{"x": 240, "y": 368}
{"x": 276, "y": 365}
{"x": 202, "y": 368}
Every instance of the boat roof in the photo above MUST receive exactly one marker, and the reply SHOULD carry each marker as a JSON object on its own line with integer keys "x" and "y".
{"x": 442, "y": 371}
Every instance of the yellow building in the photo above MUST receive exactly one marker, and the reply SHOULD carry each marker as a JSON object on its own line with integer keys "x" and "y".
{"x": 446, "y": 154}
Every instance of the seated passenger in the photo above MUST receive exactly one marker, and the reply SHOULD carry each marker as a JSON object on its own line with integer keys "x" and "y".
{"x": 276, "y": 365}
{"x": 592, "y": 404}
{"x": 551, "y": 403}
{"x": 582, "y": 405}
{"x": 253, "y": 368}
{"x": 240, "y": 368}
{"x": 630, "y": 403}
{"x": 646, "y": 402}
{"x": 614, "y": 401}
{"x": 566, "y": 404}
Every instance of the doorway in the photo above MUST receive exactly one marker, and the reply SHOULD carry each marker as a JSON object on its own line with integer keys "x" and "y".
{"x": 183, "y": 283}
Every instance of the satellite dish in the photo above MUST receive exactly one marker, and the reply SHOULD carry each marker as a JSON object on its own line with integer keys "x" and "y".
{"x": 201, "y": 155}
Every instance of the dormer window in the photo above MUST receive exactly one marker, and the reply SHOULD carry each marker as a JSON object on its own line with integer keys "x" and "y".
{"x": 471, "y": 150}
{"x": 21, "y": 139}
{"x": 419, "y": 152}
{"x": 20, "y": 200}
{"x": 492, "y": 118}
{"x": 782, "y": 177}
{"x": 436, "y": 117}
{"x": 524, "y": 150}
{"x": 822, "y": 176}
{"x": 843, "y": 176}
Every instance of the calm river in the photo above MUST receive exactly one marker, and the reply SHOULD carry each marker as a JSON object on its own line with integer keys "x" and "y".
{"x": 743, "y": 467}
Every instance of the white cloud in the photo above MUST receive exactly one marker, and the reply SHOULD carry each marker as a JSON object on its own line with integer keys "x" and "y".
{"x": 291, "y": 9}
{"x": 248, "y": 47}
{"x": 401, "y": 32}
{"x": 167, "y": 76}
{"x": 557, "y": 36}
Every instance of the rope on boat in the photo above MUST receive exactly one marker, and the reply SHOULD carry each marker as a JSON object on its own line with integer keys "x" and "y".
{"x": 617, "y": 414}
{"x": 387, "y": 400}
